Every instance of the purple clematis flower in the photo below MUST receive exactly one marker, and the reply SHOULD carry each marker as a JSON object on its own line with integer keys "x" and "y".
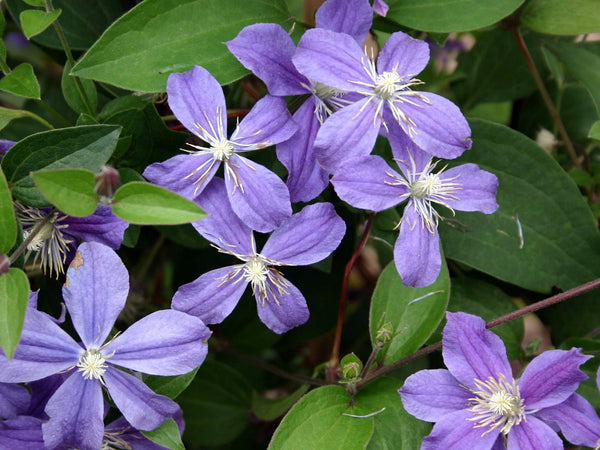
{"x": 369, "y": 183}
{"x": 305, "y": 238}
{"x": 54, "y": 245}
{"x": 478, "y": 404}
{"x": 430, "y": 121}
{"x": 163, "y": 343}
{"x": 267, "y": 50}
{"x": 257, "y": 195}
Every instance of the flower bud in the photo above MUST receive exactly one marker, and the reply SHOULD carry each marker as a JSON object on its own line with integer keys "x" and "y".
{"x": 351, "y": 366}
{"x": 4, "y": 263}
{"x": 384, "y": 333}
{"x": 107, "y": 182}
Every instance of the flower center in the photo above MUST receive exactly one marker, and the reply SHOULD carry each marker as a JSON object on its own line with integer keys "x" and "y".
{"x": 385, "y": 85}
{"x": 497, "y": 403}
{"x": 255, "y": 272}
{"x": 425, "y": 186}
{"x": 222, "y": 150}
{"x": 91, "y": 364}
{"x": 39, "y": 238}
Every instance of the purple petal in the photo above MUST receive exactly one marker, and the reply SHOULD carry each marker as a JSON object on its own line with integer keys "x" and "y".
{"x": 353, "y": 17}
{"x": 142, "y": 408}
{"x": 365, "y": 183}
{"x": 42, "y": 390}
{"x": 576, "y": 419}
{"x": 95, "y": 291}
{"x": 404, "y": 55}
{"x": 186, "y": 175}
{"x": 266, "y": 49}
{"x": 431, "y": 394}
{"x": 408, "y": 156}
{"x": 477, "y": 188}
{"x": 256, "y": 194}
{"x": 306, "y": 179}
{"x": 551, "y": 378}
{"x": 22, "y": 433}
{"x": 281, "y": 312}
{"x": 417, "y": 251}
{"x": 14, "y": 400}
{"x": 380, "y": 7}
{"x": 222, "y": 227}
{"x": 164, "y": 343}
{"x": 5, "y": 145}
{"x": 44, "y": 349}
{"x": 334, "y": 59}
{"x": 471, "y": 351}
{"x": 102, "y": 226}
{"x": 212, "y": 296}
{"x": 598, "y": 378}
{"x": 348, "y": 133}
{"x": 441, "y": 129}
{"x": 533, "y": 434}
{"x": 307, "y": 237}
{"x": 455, "y": 431}
{"x": 76, "y": 413}
{"x": 196, "y": 99}
{"x": 268, "y": 123}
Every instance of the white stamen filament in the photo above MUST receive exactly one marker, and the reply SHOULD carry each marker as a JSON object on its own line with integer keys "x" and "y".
{"x": 91, "y": 364}
{"x": 497, "y": 404}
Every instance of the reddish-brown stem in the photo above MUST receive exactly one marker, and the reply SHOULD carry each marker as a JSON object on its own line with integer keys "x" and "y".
{"x": 546, "y": 97}
{"x": 515, "y": 314}
{"x": 335, "y": 351}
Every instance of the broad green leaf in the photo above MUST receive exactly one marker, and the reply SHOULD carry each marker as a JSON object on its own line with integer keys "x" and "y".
{"x": 73, "y": 95}
{"x": 166, "y": 435}
{"x": 7, "y": 115}
{"x": 582, "y": 63}
{"x": 595, "y": 131}
{"x": 413, "y": 322}
{"x": 562, "y": 17}
{"x": 394, "y": 427}
{"x": 86, "y": 147}
{"x": 147, "y": 204}
{"x": 495, "y": 70}
{"x": 488, "y": 302}
{"x": 159, "y": 37}
{"x": 449, "y": 15}
{"x": 215, "y": 405}
{"x": 554, "y": 65}
{"x": 8, "y": 223}
{"x": 170, "y": 386}
{"x": 319, "y": 421}
{"x": 14, "y": 293}
{"x": 21, "y": 81}
{"x": 34, "y": 21}
{"x": 270, "y": 408}
{"x": 70, "y": 190}
{"x": 82, "y": 21}
{"x": 543, "y": 235}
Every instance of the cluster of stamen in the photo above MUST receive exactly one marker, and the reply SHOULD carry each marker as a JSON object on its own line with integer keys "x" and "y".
{"x": 327, "y": 100}
{"x": 497, "y": 403}
{"x": 92, "y": 364}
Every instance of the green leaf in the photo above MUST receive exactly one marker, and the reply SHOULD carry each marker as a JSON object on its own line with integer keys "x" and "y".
{"x": 147, "y": 204}
{"x": 33, "y": 21}
{"x": 72, "y": 94}
{"x": 394, "y": 427}
{"x": 449, "y": 15}
{"x": 413, "y": 322}
{"x": 595, "y": 131}
{"x": 159, "y": 37}
{"x": 582, "y": 63}
{"x": 34, "y": 2}
{"x": 216, "y": 405}
{"x": 166, "y": 435}
{"x": 561, "y": 17}
{"x": 318, "y": 421}
{"x": 170, "y": 386}
{"x": 8, "y": 223}
{"x": 21, "y": 81}
{"x": 86, "y": 147}
{"x": 82, "y": 21}
{"x": 14, "y": 293}
{"x": 543, "y": 235}
{"x": 7, "y": 115}
{"x": 272, "y": 408}
{"x": 70, "y": 190}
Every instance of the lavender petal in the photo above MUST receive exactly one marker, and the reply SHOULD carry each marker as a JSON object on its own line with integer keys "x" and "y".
{"x": 456, "y": 431}
{"x": 533, "y": 434}
{"x": 282, "y": 312}
{"x": 353, "y": 17}
{"x": 404, "y": 55}
{"x": 102, "y": 226}
{"x": 22, "y": 433}
{"x": 477, "y": 188}
{"x": 14, "y": 400}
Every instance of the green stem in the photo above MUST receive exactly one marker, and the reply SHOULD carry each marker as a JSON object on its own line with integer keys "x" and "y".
{"x": 53, "y": 112}
{"x": 4, "y": 67}
{"x": 38, "y": 119}
{"x": 500, "y": 320}
{"x": 67, "y": 49}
